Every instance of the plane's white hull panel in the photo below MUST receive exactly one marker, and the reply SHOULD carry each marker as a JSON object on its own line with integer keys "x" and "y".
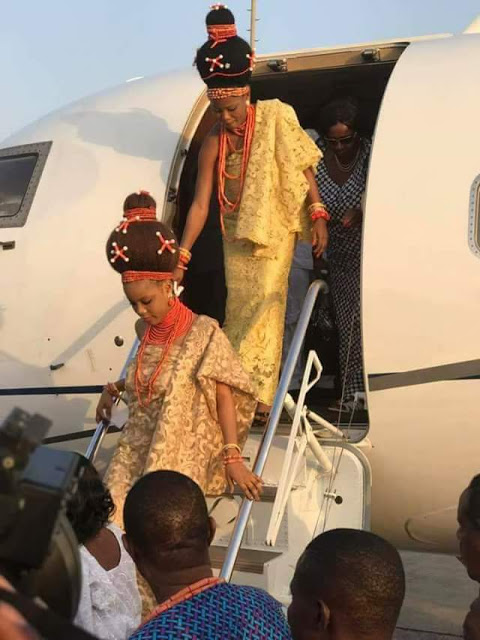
{"x": 421, "y": 289}
{"x": 60, "y": 302}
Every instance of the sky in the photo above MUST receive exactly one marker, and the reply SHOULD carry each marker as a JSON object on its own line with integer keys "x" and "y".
{"x": 53, "y": 52}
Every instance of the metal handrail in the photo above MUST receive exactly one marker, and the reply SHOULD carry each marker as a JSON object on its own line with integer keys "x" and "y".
{"x": 102, "y": 427}
{"x": 275, "y": 414}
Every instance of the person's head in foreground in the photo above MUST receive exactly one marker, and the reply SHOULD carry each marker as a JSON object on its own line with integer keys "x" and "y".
{"x": 468, "y": 532}
{"x": 168, "y": 532}
{"x": 347, "y": 584}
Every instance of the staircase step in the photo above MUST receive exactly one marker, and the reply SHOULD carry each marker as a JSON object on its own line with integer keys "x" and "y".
{"x": 248, "y": 560}
{"x": 283, "y": 428}
{"x": 268, "y": 494}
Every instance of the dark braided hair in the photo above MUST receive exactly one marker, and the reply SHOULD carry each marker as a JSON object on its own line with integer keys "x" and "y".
{"x": 473, "y": 502}
{"x": 142, "y": 200}
{"x": 235, "y": 52}
{"x": 91, "y": 507}
{"x": 141, "y": 240}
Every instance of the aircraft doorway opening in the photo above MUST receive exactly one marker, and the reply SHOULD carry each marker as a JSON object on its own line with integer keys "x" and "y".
{"x": 307, "y": 81}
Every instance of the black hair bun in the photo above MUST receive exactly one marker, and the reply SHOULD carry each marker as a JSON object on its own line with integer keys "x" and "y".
{"x": 225, "y": 60}
{"x": 220, "y": 14}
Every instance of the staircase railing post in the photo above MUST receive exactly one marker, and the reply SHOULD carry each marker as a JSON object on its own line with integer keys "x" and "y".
{"x": 102, "y": 427}
{"x": 275, "y": 414}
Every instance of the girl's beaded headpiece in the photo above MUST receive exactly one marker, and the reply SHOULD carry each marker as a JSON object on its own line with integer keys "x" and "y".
{"x": 131, "y": 216}
{"x": 135, "y": 276}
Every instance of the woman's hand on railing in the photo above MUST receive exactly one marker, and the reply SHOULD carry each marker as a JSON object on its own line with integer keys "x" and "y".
{"x": 104, "y": 407}
{"x": 249, "y": 483}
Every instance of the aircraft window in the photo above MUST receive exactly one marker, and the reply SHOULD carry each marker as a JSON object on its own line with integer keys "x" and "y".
{"x": 20, "y": 172}
{"x": 15, "y": 176}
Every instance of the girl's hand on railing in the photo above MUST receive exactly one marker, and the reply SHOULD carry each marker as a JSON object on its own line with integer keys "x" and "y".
{"x": 104, "y": 407}
{"x": 249, "y": 483}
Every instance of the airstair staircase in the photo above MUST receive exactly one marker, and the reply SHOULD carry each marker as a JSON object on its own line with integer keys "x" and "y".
{"x": 315, "y": 479}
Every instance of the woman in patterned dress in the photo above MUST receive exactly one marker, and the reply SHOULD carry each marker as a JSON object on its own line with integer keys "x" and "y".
{"x": 261, "y": 165}
{"x": 342, "y": 174}
{"x": 190, "y": 401}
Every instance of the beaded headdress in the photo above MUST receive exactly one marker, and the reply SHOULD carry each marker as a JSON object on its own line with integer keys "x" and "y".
{"x": 225, "y": 62}
{"x": 119, "y": 252}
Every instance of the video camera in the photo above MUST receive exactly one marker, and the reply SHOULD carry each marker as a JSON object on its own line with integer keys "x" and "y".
{"x": 38, "y": 548}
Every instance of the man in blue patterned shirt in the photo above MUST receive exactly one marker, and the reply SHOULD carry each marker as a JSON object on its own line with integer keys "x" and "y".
{"x": 168, "y": 533}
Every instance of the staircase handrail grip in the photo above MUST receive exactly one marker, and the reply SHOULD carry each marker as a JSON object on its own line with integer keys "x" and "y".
{"x": 103, "y": 426}
{"x": 275, "y": 414}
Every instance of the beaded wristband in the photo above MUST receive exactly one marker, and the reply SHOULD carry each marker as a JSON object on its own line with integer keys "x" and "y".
{"x": 318, "y": 210}
{"x": 320, "y": 214}
{"x": 185, "y": 256}
{"x": 232, "y": 461}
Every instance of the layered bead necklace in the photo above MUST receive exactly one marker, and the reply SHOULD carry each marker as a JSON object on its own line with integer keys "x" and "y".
{"x": 349, "y": 166}
{"x": 245, "y": 131}
{"x": 176, "y": 324}
{"x": 185, "y": 594}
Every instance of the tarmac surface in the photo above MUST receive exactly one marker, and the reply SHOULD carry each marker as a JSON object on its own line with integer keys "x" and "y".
{"x": 439, "y": 594}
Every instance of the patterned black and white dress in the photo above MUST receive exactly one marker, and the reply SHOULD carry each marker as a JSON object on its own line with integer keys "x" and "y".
{"x": 344, "y": 255}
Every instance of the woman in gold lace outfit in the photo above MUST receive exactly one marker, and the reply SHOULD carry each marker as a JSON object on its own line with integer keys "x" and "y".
{"x": 190, "y": 401}
{"x": 261, "y": 163}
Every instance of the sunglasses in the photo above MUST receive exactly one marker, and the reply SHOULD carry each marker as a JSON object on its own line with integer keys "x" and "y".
{"x": 344, "y": 142}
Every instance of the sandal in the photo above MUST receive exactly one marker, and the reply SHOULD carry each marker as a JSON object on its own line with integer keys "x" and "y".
{"x": 349, "y": 405}
{"x": 260, "y": 419}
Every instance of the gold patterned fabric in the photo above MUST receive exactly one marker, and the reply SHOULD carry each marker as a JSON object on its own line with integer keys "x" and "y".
{"x": 260, "y": 239}
{"x": 273, "y": 198}
{"x": 179, "y": 429}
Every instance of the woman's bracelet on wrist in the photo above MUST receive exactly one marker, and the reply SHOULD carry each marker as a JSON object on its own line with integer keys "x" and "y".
{"x": 317, "y": 211}
{"x": 320, "y": 215}
{"x": 232, "y": 460}
{"x": 226, "y": 447}
{"x": 112, "y": 389}
{"x": 184, "y": 256}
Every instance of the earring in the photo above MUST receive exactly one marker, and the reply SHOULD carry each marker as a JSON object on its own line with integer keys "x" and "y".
{"x": 171, "y": 301}
{"x": 177, "y": 289}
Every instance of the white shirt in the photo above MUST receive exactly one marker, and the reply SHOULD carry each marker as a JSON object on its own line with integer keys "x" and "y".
{"x": 110, "y": 606}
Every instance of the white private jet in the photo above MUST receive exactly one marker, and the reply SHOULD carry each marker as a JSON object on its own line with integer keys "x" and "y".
{"x": 65, "y": 327}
